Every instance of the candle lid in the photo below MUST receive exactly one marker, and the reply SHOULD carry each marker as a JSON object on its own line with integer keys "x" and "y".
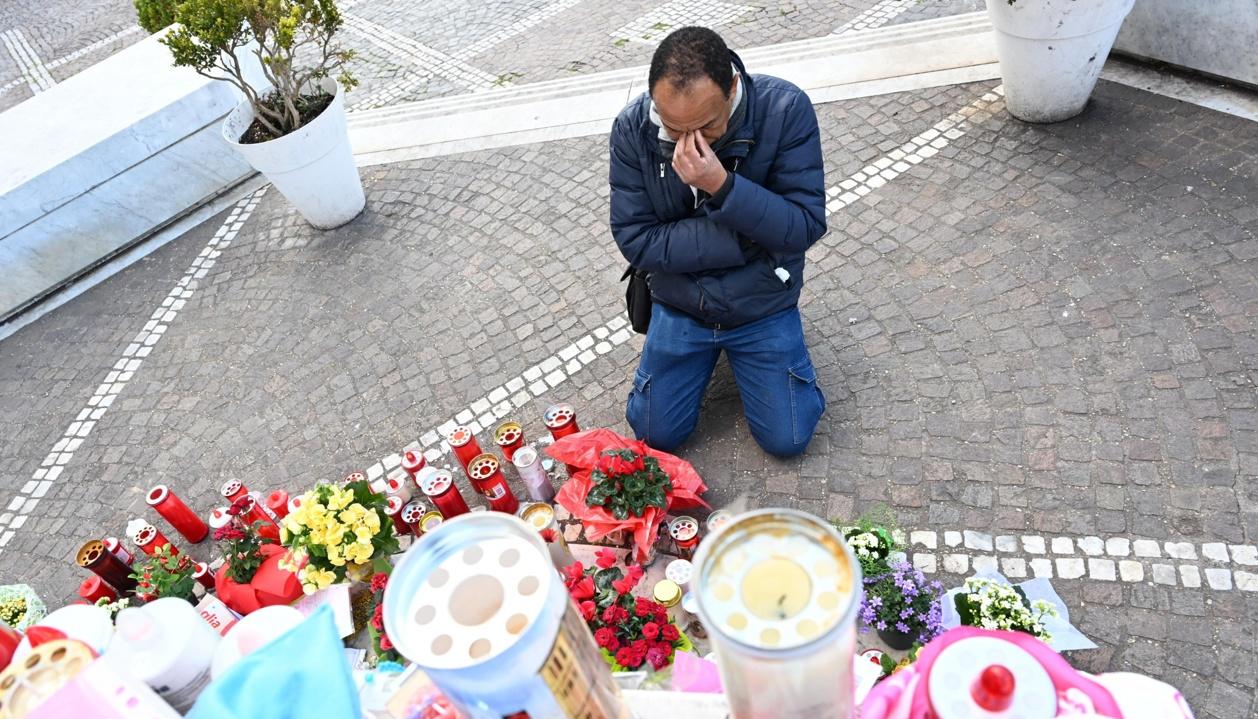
{"x": 219, "y": 517}
{"x": 558, "y": 415}
{"x": 147, "y": 534}
{"x": 667, "y": 592}
{"x": 413, "y": 512}
{"x": 201, "y": 569}
{"x": 471, "y": 594}
{"x": 294, "y": 504}
{"x": 483, "y": 466}
{"x": 524, "y": 457}
{"x": 134, "y": 526}
{"x": 683, "y": 529}
{"x": 230, "y": 488}
{"x": 679, "y": 570}
{"x": 393, "y": 505}
{"x": 958, "y": 670}
{"x": 775, "y": 579}
{"x": 430, "y": 521}
{"x": 355, "y": 476}
{"x": 91, "y": 551}
{"x": 397, "y": 479}
{"x": 507, "y": 433}
{"x": 718, "y": 519}
{"x": 538, "y": 515}
{"x": 157, "y": 494}
{"x": 435, "y": 481}
{"x": 413, "y": 461}
{"x": 459, "y": 436}
{"x": 111, "y": 543}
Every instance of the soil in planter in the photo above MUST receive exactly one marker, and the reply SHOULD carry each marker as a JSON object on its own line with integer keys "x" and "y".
{"x": 309, "y": 106}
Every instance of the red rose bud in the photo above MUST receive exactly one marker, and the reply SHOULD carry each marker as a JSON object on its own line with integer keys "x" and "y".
{"x": 669, "y": 633}
{"x": 605, "y": 637}
{"x": 650, "y": 630}
{"x": 385, "y": 643}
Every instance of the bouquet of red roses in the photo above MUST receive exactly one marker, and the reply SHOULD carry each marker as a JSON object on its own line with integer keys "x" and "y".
{"x": 629, "y": 630}
{"x": 623, "y": 484}
{"x": 381, "y": 646}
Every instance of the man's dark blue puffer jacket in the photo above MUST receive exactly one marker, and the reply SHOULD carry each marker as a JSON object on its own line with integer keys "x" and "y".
{"x": 718, "y": 264}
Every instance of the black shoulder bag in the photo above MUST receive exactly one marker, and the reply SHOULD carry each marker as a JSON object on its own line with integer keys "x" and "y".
{"x": 637, "y": 299}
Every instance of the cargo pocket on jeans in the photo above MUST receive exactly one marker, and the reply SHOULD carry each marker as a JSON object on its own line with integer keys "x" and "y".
{"x": 638, "y": 409}
{"x": 807, "y": 402}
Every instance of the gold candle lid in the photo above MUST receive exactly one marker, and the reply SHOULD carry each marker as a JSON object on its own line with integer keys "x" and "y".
{"x": 667, "y": 592}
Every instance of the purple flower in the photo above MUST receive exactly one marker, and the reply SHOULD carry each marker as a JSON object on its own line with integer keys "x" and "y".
{"x": 882, "y": 626}
{"x": 901, "y": 627}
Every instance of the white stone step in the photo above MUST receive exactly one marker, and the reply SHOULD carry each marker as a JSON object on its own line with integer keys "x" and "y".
{"x": 934, "y": 52}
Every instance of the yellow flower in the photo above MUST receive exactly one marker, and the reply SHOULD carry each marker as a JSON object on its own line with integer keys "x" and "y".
{"x": 373, "y": 521}
{"x": 364, "y": 534}
{"x": 335, "y": 556}
{"x": 340, "y": 498}
{"x": 360, "y": 553}
{"x": 353, "y": 514}
{"x": 334, "y": 534}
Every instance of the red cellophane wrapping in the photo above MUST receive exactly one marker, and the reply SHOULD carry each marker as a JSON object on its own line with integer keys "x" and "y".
{"x": 270, "y": 584}
{"x": 583, "y": 450}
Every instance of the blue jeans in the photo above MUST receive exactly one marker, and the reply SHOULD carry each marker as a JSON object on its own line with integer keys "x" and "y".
{"x": 771, "y": 366}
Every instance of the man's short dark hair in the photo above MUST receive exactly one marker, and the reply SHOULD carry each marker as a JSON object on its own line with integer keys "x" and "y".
{"x": 689, "y": 54}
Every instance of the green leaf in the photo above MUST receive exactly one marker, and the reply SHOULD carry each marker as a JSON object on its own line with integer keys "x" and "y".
{"x": 961, "y": 601}
{"x": 603, "y": 578}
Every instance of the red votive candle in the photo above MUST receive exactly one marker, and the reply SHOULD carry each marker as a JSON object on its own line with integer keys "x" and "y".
{"x": 277, "y": 502}
{"x": 464, "y": 444}
{"x": 173, "y": 510}
{"x": 94, "y": 588}
{"x": 438, "y": 485}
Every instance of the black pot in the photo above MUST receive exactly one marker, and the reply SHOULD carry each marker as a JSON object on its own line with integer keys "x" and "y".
{"x": 896, "y": 640}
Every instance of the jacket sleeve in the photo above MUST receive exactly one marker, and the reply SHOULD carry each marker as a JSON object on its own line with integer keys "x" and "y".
{"x": 689, "y": 245}
{"x": 788, "y": 213}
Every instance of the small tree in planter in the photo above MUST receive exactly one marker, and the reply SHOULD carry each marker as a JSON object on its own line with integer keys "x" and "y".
{"x": 283, "y": 57}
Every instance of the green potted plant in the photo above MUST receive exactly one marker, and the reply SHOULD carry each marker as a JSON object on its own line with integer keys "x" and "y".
{"x": 902, "y": 606}
{"x": 165, "y": 574}
{"x": 990, "y": 604}
{"x": 283, "y": 57}
{"x": 1051, "y": 52}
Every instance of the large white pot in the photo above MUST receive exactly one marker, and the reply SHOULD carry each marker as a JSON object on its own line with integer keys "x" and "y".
{"x": 1051, "y": 52}
{"x": 312, "y": 167}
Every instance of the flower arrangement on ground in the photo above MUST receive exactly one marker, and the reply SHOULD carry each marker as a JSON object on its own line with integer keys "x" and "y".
{"x": 630, "y": 631}
{"x": 872, "y": 540}
{"x": 20, "y": 606}
{"x": 254, "y": 572}
{"x": 622, "y": 484}
{"x": 165, "y": 573}
{"x": 902, "y": 606}
{"x": 381, "y": 645}
{"x": 992, "y": 604}
{"x": 338, "y": 532}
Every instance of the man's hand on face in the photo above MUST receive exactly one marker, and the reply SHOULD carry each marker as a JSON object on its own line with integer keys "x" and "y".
{"x": 696, "y": 164}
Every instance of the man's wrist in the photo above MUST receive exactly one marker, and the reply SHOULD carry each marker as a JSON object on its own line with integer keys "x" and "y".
{"x": 722, "y": 190}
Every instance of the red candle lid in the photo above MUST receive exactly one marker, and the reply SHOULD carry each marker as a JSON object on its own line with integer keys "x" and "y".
{"x": 436, "y": 482}
{"x": 157, "y": 494}
{"x": 219, "y": 517}
{"x": 683, "y": 528}
{"x": 354, "y": 476}
{"x": 397, "y": 479}
{"x": 201, "y": 570}
{"x": 460, "y": 436}
{"x": 111, "y": 543}
{"x": 394, "y": 505}
{"x": 558, "y": 415}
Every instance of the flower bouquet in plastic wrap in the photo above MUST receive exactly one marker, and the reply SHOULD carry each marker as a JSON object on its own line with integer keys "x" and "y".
{"x": 20, "y": 606}
{"x": 622, "y": 484}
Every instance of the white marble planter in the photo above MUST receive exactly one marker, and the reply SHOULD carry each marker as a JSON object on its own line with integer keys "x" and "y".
{"x": 1051, "y": 52}
{"x": 313, "y": 167}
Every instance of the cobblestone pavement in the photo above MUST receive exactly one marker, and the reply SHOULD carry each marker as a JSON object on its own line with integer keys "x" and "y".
{"x": 415, "y": 51}
{"x": 43, "y": 43}
{"x": 1038, "y": 344}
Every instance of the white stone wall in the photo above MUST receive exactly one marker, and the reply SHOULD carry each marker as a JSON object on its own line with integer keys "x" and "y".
{"x": 1219, "y": 37}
